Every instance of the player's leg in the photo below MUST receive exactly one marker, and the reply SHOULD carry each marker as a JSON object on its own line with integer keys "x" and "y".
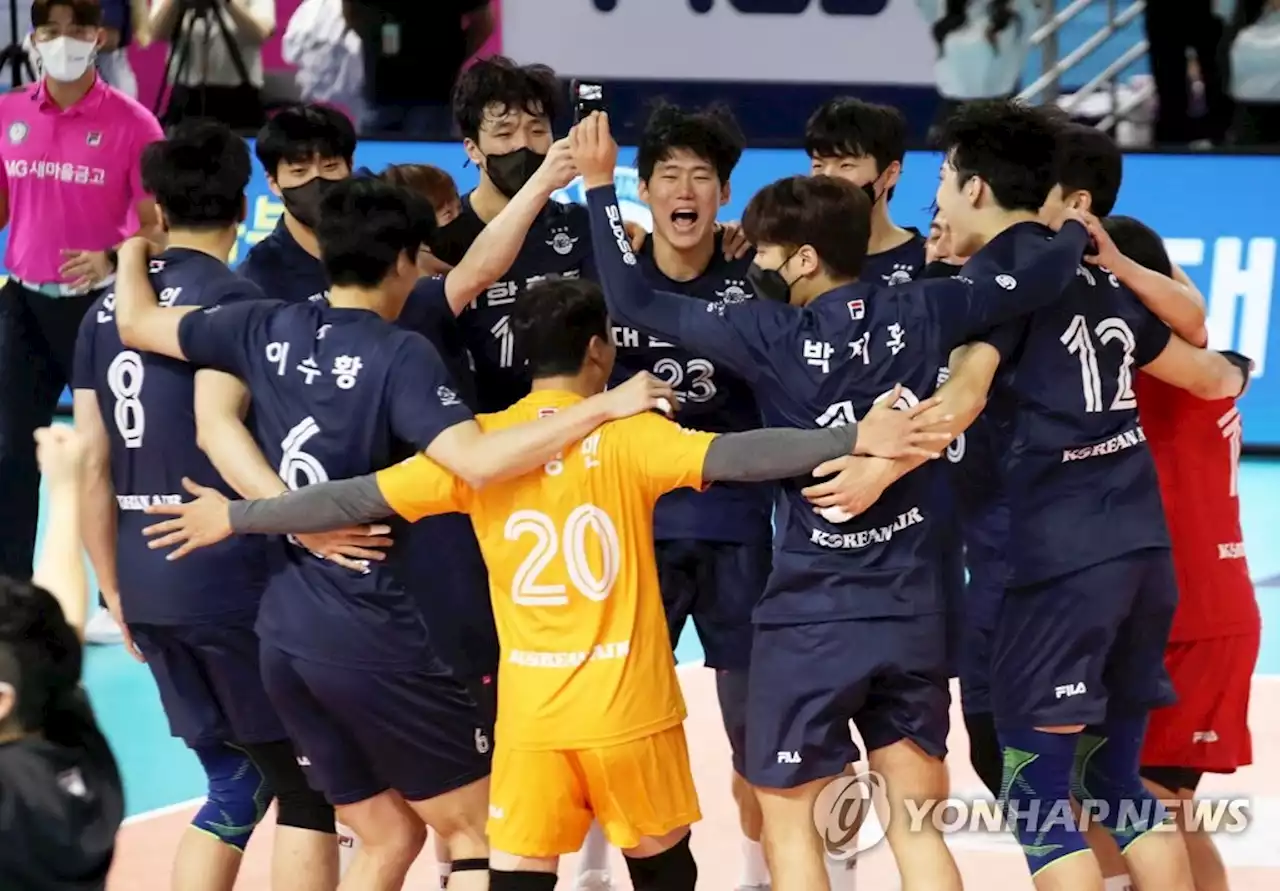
{"x": 643, "y": 797}
{"x": 1178, "y": 784}
{"x": 315, "y": 702}
{"x": 977, "y": 622}
{"x": 484, "y": 691}
{"x": 730, "y": 581}
{"x": 538, "y": 811}
{"x": 904, "y": 722}
{"x": 236, "y": 795}
{"x": 804, "y": 684}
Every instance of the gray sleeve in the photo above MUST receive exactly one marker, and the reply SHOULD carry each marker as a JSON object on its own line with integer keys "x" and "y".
{"x": 775, "y": 453}
{"x": 318, "y": 508}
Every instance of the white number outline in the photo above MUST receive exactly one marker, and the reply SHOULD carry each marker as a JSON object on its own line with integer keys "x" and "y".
{"x": 840, "y": 414}
{"x": 526, "y": 590}
{"x": 699, "y": 373}
{"x": 294, "y": 461}
{"x": 125, "y": 376}
{"x": 1232, "y": 428}
{"x": 1079, "y": 343}
{"x": 506, "y": 342}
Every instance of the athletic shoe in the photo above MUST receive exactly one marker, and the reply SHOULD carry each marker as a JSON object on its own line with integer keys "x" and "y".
{"x": 103, "y": 630}
{"x": 594, "y": 880}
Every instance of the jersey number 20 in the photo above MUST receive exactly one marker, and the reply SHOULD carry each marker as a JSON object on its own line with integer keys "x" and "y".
{"x": 1080, "y": 342}
{"x": 526, "y": 590}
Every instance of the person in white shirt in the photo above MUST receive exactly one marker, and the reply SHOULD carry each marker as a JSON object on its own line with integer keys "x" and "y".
{"x": 220, "y": 79}
{"x": 1255, "y": 73}
{"x": 328, "y": 57}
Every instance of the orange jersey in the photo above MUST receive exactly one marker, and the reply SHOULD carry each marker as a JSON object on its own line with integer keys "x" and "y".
{"x": 586, "y": 657}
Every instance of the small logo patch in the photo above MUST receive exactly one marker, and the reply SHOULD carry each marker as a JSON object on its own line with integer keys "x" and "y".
{"x": 1008, "y": 282}
{"x": 18, "y": 132}
{"x": 94, "y": 138}
{"x": 857, "y": 309}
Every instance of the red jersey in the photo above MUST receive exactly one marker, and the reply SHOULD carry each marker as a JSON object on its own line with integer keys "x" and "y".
{"x": 1196, "y": 446}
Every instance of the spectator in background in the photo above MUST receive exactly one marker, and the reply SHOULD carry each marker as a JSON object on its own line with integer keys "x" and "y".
{"x": 413, "y": 52}
{"x": 1173, "y": 28}
{"x": 327, "y": 56}
{"x": 982, "y": 48}
{"x": 1255, "y": 72}
{"x": 218, "y": 80}
{"x": 124, "y": 22}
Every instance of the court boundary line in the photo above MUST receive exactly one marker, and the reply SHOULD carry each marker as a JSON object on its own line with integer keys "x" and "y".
{"x": 156, "y": 813}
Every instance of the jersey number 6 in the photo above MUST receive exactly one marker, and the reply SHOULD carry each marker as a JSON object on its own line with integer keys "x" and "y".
{"x": 526, "y": 590}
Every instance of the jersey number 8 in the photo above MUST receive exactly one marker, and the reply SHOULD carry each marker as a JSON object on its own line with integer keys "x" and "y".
{"x": 1079, "y": 342}
{"x": 124, "y": 379}
{"x": 526, "y": 590}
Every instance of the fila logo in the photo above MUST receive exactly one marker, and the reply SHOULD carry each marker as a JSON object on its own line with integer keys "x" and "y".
{"x": 1068, "y": 690}
{"x": 496, "y": 813}
{"x": 94, "y": 139}
{"x": 776, "y": 7}
{"x": 857, "y": 309}
{"x": 1204, "y": 736}
{"x": 304, "y": 761}
{"x": 788, "y": 757}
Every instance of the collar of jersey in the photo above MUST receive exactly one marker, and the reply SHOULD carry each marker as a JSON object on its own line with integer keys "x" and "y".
{"x": 842, "y": 292}
{"x": 551, "y": 398}
{"x": 89, "y": 103}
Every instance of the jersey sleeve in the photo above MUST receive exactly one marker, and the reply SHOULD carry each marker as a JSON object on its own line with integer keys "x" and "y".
{"x": 82, "y": 363}
{"x": 423, "y": 399}
{"x": 735, "y": 335}
{"x": 1006, "y": 338}
{"x": 1150, "y": 334}
{"x": 660, "y": 453}
{"x": 222, "y": 336}
{"x": 419, "y": 487}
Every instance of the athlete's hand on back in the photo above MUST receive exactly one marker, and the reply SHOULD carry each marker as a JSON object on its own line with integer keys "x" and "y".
{"x": 594, "y": 150}
{"x": 734, "y": 241}
{"x": 640, "y": 394}
{"x": 1103, "y": 250}
{"x": 558, "y": 168}
{"x": 857, "y": 484}
{"x": 60, "y": 454}
{"x": 889, "y": 432}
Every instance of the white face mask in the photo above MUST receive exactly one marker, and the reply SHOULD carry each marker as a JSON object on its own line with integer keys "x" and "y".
{"x": 65, "y": 58}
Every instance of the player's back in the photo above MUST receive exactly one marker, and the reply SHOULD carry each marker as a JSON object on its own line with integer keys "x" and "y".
{"x": 147, "y": 406}
{"x": 586, "y": 658}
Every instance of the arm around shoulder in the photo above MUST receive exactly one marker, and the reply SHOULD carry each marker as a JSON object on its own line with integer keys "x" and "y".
{"x": 1203, "y": 373}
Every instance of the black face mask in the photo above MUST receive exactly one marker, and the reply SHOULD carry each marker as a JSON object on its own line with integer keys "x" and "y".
{"x": 509, "y": 172}
{"x": 303, "y": 201}
{"x": 939, "y": 269}
{"x": 769, "y": 284}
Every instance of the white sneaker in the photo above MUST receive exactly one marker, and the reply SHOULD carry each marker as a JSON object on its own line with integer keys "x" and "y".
{"x": 595, "y": 880}
{"x": 103, "y": 630}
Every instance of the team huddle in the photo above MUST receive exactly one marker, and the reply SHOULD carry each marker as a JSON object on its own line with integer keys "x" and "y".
{"x": 411, "y": 551}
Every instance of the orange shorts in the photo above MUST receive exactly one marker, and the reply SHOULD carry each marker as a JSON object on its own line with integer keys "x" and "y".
{"x": 541, "y": 803}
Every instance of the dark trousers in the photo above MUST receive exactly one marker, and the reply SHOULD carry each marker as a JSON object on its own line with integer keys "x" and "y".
{"x": 37, "y": 348}
{"x": 1173, "y": 27}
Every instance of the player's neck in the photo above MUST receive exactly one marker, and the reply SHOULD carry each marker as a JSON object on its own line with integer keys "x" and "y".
{"x": 352, "y": 297}
{"x": 885, "y": 233}
{"x": 998, "y": 221}
{"x": 65, "y": 95}
{"x": 487, "y": 202}
{"x": 305, "y": 238}
{"x": 566, "y": 383}
{"x": 683, "y": 264}
{"x": 216, "y": 244}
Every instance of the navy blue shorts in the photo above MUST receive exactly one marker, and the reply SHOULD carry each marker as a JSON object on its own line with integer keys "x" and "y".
{"x": 718, "y": 584}
{"x": 359, "y": 732}
{"x": 210, "y": 684}
{"x": 977, "y": 623}
{"x": 1087, "y": 646}
{"x": 731, "y": 690}
{"x": 808, "y": 681}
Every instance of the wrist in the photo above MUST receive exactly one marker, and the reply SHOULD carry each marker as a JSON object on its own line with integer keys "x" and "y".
{"x": 597, "y": 180}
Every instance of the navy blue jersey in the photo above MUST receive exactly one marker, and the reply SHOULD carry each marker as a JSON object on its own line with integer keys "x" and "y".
{"x": 1080, "y": 479}
{"x": 896, "y": 266}
{"x": 337, "y": 393}
{"x": 558, "y": 245}
{"x": 147, "y": 406}
{"x": 283, "y": 269}
{"x": 825, "y": 365}
{"x": 710, "y": 399}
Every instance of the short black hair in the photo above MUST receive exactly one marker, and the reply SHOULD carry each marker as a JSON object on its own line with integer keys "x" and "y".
{"x": 1089, "y": 160}
{"x": 829, "y": 214}
{"x": 300, "y": 132}
{"x": 846, "y": 127}
{"x": 553, "y": 323}
{"x": 1011, "y": 146}
{"x": 85, "y": 13}
{"x": 366, "y": 225}
{"x": 40, "y": 654}
{"x": 710, "y": 134}
{"x": 499, "y": 81}
{"x": 198, "y": 175}
{"x": 1139, "y": 243}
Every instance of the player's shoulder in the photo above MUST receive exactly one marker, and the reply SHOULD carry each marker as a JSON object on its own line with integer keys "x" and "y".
{"x": 130, "y": 110}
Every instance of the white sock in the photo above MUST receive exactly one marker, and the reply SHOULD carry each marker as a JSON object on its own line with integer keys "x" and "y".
{"x": 1118, "y": 883}
{"x": 755, "y": 870}
{"x": 445, "y": 869}
{"x": 594, "y": 855}
{"x": 347, "y": 844}
{"x": 842, "y": 874}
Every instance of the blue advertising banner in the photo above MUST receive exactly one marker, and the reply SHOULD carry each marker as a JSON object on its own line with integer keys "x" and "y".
{"x": 1216, "y": 213}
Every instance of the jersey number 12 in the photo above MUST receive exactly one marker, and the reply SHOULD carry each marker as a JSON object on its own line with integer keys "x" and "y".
{"x": 1080, "y": 342}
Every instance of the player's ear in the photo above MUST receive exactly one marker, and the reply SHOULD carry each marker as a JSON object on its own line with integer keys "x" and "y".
{"x": 891, "y": 175}
{"x": 725, "y": 194}
{"x": 1080, "y": 200}
{"x": 973, "y": 190}
{"x": 642, "y": 191}
{"x": 273, "y": 186}
{"x": 163, "y": 219}
{"x": 807, "y": 261}
{"x": 473, "y": 152}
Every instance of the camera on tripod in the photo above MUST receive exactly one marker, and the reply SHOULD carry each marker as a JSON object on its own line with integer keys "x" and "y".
{"x": 201, "y": 23}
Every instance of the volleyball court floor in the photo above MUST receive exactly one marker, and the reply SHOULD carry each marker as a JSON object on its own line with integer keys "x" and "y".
{"x": 163, "y": 780}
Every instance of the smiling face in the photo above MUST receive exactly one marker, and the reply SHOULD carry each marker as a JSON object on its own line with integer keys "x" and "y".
{"x": 685, "y": 194}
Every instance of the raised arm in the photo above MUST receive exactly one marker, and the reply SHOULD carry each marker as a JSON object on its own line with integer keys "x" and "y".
{"x": 1203, "y": 373}
{"x": 143, "y": 323}
{"x": 59, "y": 567}
{"x": 498, "y": 245}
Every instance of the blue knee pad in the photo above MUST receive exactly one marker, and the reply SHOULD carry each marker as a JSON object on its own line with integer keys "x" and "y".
{"x": 238, "y": 795}
{"x": 1107, "y": 784}
{"x": 1036, "y": 795}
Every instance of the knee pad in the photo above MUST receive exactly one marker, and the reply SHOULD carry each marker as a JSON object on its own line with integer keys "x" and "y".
{"x": 238, "y": 795}
{"x": 1107, "y": 782}
{"x": 1036, "y": 795}
{"x": 522, "y": 881}
{"x": 298, "y": 806}
{"x": 672, "y": 870}
{"x": 984, "y": 750}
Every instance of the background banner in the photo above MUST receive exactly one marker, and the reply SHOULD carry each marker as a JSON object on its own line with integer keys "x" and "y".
{"x": 1216, "y": 213}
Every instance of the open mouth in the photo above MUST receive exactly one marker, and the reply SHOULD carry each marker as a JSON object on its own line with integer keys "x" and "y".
{"x": 684, "y": 220}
